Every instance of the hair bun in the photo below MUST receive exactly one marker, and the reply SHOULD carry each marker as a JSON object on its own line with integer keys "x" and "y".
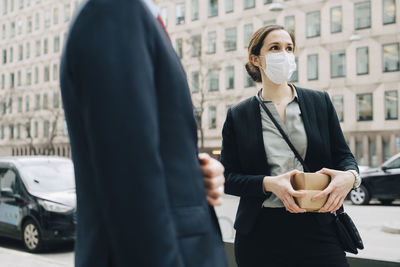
{"x": 254, "y": 72}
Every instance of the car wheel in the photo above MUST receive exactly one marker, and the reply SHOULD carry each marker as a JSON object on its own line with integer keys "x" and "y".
{"x": 360, "y": 196}
{"x": 386, "y": 201}
{"x": 31, "y": 236}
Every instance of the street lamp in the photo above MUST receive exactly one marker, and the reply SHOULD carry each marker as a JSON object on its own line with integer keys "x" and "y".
{"x": 355, "y": 37}
{"x": 275, "y": 7}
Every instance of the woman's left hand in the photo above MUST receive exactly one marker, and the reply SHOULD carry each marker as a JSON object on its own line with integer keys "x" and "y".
{"x": 341, "y": 184}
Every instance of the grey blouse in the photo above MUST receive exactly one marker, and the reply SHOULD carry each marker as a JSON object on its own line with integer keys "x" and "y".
{"x": 280, "y": 157}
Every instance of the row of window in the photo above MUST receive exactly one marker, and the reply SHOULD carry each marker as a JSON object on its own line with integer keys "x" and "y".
{"x": 16, "y": 82}
{"x": 364, "y": 108}
{"x": 8, "y": 54}
{"x": 372, "y": 154}
{"x": 30, "y": 130}
{"x": 362, "y": 15}
{"x": 40, "y": 102}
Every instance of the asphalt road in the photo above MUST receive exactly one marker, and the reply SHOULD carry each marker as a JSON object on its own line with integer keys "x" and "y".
{"x": 369, "y": 220}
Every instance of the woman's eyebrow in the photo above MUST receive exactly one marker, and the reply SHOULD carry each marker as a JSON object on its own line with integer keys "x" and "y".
{"x": 279, "y": 43}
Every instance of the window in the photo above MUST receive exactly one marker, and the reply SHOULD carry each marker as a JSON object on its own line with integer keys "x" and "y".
{"x": 10, "y": 106}
{"x": 56, "y": 45}
{"x": 362, "y": 15}
{"x": 37, "y": 102}
{"x": 228, "y": 6}
{"x": 389, "y": 11}
{"x": 55, "y": 16}
{"x": 12, "y": 80}
{"x": 312, "y": 67}
{"x": 29, "y": 24}
{"x": 313, "y": 24}
{"x": 37, "y": 21}
{"x": 67, "y": 12}
{"x": 197, "y": 116}
{"x": 164, "y": 15}
{"x": 212, "y": 117}
{"x": 11, "y": 131}
{"x": 249, "y": 4}
{"x": 391, "y": 105}
{"x": 45, "y": 46}
{"x": 4, "y": 56}
{"x": 46, "y": 73}
{"x": 37, "y": 48}
{"x": 195, "y": 10}
{"x": 213, "y": 80}
{"x": 12, "y": 29}
{"x": 248, "y": 82}
{"x": 196, "y": 45}
{"x": 362, "y": 60}
{"x": 230, "y": 39}
{"x": 47, "y": 18}
{"x": 19, "y": 104}
{"x": 35, "y": 129}
{"x": 248, "y": 31}
{"x": 28, "y": 50}
{"x": 180, "y": 13}
{"x": 20, "y": 52}
{"x": 19, "y": 78}
{"x": 3, "y": 81}
{"x": 290, "y": 24}
{"x": 338, "y": 64}
{"x": 391, "y": 57}
{"x": 55, "y": 72}
{"x": 5, "y": 7}
{"x": 26, "y": 103}
{"x": 230, "y": 77}
{"x": 395, "y": 164}
{"x": 212, "y": 42}
{"x": 18, "y": 131}
{"x": 21, "y": 4}
{"x": 337, "y": 101}
{"x": 267, "y": 2}
{"x": 269, "y": 22}
{"x": 46, "y": 129}
{"x": 178, "y": 47}
{"x": 9, "y": 181}
{"x": 36, "y": 75}
{"x": 28, "y": 77}
{"x": 295, "y": 75}
{"x": 336, "y": 19}
{"x": 364, "y": 107}
{"x": 212, "y": 8}
{"x": 386, "y": 150}
{"x": 45, "y": 101}
{"x": 2, "y": 132}
{"x": 11, "y": 59}
{"x": 56, "y": 100}
{"x": 3, "y": 31}
{"x": 195, "y": 81}
{"x": 28, "y": 130}
{"x": 19, "y": 25}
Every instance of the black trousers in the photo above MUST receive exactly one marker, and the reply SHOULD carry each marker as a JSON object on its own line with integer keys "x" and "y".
{"x": 283, "y": 239}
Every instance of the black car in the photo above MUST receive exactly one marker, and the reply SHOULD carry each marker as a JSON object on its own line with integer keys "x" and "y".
{"x": 37, "y": 200}
{"x": 382, "y": 183}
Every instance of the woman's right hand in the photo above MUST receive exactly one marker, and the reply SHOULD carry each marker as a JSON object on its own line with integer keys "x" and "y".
{"x": 280, "y": 185}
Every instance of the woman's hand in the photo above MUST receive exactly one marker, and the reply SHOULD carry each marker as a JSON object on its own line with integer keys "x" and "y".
{"x": 280, "y": 185}
{"x": 341, "y": 184}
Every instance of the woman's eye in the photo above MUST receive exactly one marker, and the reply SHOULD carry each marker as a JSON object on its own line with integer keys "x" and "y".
{"x": 289, "y": 48}
{"x": 275, "y": 47}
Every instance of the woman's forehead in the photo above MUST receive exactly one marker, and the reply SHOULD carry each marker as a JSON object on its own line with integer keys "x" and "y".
{"x": 278, "y": 36}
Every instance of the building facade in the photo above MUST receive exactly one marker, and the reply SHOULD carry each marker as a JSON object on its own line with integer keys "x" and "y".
{"x": 349, "y": 48}
{"x": 31, "y": 115}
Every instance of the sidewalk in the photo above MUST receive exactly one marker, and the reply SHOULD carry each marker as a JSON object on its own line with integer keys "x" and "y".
{"x": 15, "y": 258}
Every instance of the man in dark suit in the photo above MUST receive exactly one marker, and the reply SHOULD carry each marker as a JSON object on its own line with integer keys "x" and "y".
{"x": 140, "y": 190}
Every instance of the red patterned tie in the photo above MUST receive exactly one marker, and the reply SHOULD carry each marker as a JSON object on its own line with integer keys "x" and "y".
{"x": 162, "y": 25}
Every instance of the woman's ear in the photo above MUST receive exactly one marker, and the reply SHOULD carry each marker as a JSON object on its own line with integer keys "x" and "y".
{"x": 255, "y": 60}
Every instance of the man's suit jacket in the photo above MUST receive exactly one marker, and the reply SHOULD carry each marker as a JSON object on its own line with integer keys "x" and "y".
{"x": 246, "y": 164}
{"x": 140, "y": 193}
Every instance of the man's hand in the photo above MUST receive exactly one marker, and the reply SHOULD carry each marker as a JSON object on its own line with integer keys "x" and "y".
{"x": 213, "y": 177}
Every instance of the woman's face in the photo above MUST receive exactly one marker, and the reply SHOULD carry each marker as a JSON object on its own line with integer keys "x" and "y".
{"x": 275, "y": 42}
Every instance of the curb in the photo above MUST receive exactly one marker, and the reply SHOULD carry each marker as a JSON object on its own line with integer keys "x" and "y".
{"x": 391, "y": 228}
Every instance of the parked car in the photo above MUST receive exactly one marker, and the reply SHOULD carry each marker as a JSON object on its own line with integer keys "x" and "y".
{"x": 382, "y": 183}
{"x": 37, "y": 200}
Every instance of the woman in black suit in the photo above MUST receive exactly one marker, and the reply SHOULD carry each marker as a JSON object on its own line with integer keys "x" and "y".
{"x": 272, "y": 230}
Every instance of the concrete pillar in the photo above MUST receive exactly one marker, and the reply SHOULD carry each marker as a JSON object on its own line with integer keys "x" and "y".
{"x": 352, "y": 144}
{"x": 379, "y": 149}
{"x": 366, "y": 150}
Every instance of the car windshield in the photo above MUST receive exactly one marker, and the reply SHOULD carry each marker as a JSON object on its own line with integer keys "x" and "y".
{"x": 48, "y": 175}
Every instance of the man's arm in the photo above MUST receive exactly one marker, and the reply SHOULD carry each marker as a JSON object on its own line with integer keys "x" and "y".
{"x": 111, "y": 64}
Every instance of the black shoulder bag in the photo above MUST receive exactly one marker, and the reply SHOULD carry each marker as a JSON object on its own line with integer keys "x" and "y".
{"x": 346, "y": 229}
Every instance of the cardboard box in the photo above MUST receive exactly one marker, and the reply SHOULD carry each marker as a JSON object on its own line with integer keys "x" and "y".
{"x": 312, "y": 183}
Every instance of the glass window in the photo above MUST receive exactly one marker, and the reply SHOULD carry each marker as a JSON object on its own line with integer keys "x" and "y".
{"x": 11, "y": 80}
{"x": 197, "y": 116}
{"x": 395, "y": 164}
{"x": 359, "y": 153}
{"x": 45, "y": 101}
{"x": 56, "y": 44}
{"x": 337, "y": 101}
{"x": 212, "y": 117}
{"x": 12, "y": 29}
{"x": 37, "y": 48}
{"x": 391, "y": 57}
{"x": 180, "y": 13}
{"x": 269, "y": 22}
{"x": 9, "y": 181}
{"x": 213, "y": 80}
{"x": 267, "y": 2}
{"x": 195, "y": 81}
{"x": 29, "y": 77}
{"x": 290, "y": 24}
{"x": 18, "y": 135}
{"x": 3, "y": 31}
{"x": 47, "y": 18}
{"x": 196, "y": 45}
{"x": 37, "y": 21}
{"x": 295, "y": 75}
{"x": 19, "y": 25}
{"x": 28, "y": 50}
{"x": 212, "y": 42}
{"x": 248, "y": 81}
{"x": 312, "y": 67}
{"x": 5, "y": 7}
{"x": 2, "y": 132}
{"x": 19, "y": 104}
{"x": 11, "y": 54}
{"x": 364, "y": 107}
{"x": 229, "y": 6}
{"x": 36, "y": 75}
{"x": 67, "y": 12}
{"x": 19, "y": 78}
{"x": 56, "y": 100}
{"x": 3, "y": 81}
{"x": 55, "y": 16}
{"x": 338, "y": 64}
{"x": 45, "y": 46}
{"x": 362, "y": 60}
{"x": 35, "y": 129}
{"x": 20, "y": 52}
{"x": 178, "y": 47}
{"x": 4, "y": 56}
{"x": 313, "y": 24}
{"x": 336, "y": 19}
{"x": 37, "y": 102}
{"x": 46, "y": 129}
{"x": 55, "y": 72}
{"x": 164, "y": 15}
{"x": 46, "y": 73}
{"x": 230, "y": 39}
{"x": 389, "y": 11}
{"x": 27, "y": 103}
{"x": 391, "y": 105}
{"x": 248, "y": 31}
{"x": 386, "y": 150}
{"x": 28, "y": 130}
{"x": 29, "y": 24}
{"x": 249, "y": 4}
{"x": 11, "y": 131}
{"x": 195, "y": 9}
{"x": 230, "y": 77}
{"x": 362, "y": 15}
{"x": 212, "y": 8}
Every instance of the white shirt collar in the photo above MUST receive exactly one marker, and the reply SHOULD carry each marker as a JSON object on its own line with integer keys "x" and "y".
{"x": 152, "y": 7}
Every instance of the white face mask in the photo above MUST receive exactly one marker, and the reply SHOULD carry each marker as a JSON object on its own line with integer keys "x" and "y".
{"x": 279, "y": 66}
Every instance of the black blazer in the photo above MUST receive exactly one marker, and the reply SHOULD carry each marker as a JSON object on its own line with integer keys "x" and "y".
{"x": 140, "y": 192}
{"x": 246, "y": 163}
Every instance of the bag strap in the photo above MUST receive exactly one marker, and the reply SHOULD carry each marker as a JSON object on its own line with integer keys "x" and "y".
{"x": 306, "y": 169}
